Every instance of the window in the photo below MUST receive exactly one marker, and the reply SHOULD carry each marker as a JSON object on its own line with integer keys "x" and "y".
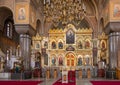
{"x": 8, "y": 54}
{"x": 9, "y": 29}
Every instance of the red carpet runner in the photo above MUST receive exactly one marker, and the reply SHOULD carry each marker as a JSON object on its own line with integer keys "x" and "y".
{"x": 71, "y": 76}
{"x": 20, "y": 82}
{"x": 105, "y": 82}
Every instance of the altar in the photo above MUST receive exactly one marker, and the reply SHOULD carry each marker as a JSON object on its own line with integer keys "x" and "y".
{"x": 70, "y": 47}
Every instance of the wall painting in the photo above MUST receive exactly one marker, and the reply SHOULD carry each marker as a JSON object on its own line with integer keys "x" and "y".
{"x": 22, "y": 13}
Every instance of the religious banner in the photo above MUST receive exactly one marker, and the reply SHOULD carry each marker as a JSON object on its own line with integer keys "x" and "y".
{"x": 64, "y": 76}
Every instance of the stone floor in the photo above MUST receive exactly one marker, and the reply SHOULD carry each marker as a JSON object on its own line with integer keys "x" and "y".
{"x": 84, "y": 81}
{"x": 51, "y": 81}
{"x": 78, "y": 81}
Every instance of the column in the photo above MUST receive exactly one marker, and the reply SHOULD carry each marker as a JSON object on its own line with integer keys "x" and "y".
{"x": 25, "y": 44}
{"x": 114, "y": 39}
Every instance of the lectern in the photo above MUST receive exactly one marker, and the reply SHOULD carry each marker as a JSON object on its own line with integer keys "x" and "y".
{"x": 64, "y": 76}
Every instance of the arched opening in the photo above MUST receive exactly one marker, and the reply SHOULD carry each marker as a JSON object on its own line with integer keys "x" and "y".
{"x": 9, "y": 37}
{"x": 70, "y": 59}
{"x": 38, "y": 26}
{"x": 4, "y": 14}
{"x": 9, "y": 27}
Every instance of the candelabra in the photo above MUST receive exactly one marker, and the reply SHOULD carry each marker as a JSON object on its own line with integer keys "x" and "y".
{"x": 64, "y": 11}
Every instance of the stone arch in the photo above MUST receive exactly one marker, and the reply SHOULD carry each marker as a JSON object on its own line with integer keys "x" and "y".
{"x": 5, "y": 13}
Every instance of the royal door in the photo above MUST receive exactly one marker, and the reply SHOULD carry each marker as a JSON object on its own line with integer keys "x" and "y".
{"x": 70, "y": 59}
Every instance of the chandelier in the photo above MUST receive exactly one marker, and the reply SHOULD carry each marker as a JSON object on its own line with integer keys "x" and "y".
{"x": 64, "y": 11}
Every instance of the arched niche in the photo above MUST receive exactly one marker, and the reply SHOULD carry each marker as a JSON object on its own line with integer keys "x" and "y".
{"x": 53, "y": 60}
{"x": 53, "y": 45}
{"x": 38, "y": 26}
{"x": 80, "y": 60}
{"x": 60, "y": 44}
{"x": 60, "y": 60}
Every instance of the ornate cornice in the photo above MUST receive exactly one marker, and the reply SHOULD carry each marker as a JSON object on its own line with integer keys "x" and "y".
{"x": 37, "y": 37}
{"x": 80, "y": 30}
{"x": 56, "y": 31}
{"x": 85, "y": 30}
{"x": 103, "y": 36}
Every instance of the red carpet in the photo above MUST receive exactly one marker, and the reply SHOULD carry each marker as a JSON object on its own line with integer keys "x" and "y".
{"x": 20, "y": 82}
{"x": 70, "y": 77}
{"x": 105, "y": 82}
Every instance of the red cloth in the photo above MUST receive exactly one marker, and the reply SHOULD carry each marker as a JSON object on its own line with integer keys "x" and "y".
{"x": 37, "y": 72}
{"x": 111, "y": 82}
{"x": 71, "y": 76}
{"x": 20, "y": 82}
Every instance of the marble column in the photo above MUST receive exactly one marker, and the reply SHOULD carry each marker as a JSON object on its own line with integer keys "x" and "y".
{"x": 114, "y": 39}
{"x": 25, "y": 44}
